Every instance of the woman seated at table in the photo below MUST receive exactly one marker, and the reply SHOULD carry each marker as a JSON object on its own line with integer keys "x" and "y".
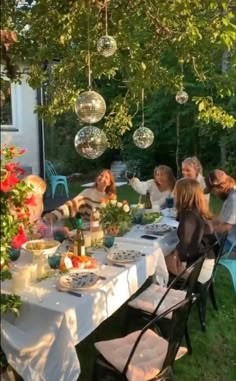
{"x": 192, "y": 169}
{"x": 35, "y": 208}
{"x": 195, "y": 230}
{"x": 104, "y": 187}
{"x": 223, "y": 186}
{"x": 159, "y": 188}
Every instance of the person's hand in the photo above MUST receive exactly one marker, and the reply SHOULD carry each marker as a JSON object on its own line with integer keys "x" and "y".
{"x": 50, "y": 218}
{"x": 129, "y": 175}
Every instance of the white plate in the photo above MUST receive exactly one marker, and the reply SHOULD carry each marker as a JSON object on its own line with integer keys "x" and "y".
{"x": 158, "y": 229}
{"x": 124, "y": 255}
{"x": 77, "y": 280}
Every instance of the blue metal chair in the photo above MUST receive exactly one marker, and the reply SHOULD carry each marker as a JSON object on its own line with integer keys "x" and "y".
{"x": 228, "y": 260}
{"x": 55, "y": 179}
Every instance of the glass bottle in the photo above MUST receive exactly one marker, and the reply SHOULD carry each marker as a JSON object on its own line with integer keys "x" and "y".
{"x": 79, "y": 244}
{"x": 94, "y": 221}
{"x": 147, "y": 202}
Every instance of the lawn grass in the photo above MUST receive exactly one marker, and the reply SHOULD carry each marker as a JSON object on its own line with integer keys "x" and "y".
{"x": 214, "y": 352}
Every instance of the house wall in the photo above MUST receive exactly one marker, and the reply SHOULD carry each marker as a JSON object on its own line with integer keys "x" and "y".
{"x": 24, "y": 132}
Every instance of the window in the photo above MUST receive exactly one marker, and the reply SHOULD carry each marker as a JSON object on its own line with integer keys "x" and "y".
{"x": 10, "y": 102}
{"x": 6, "y": 104}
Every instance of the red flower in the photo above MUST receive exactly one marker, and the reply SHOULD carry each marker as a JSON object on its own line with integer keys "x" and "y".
{"x": 5, "y": 186}
{"x": 19, "y": 239}
{"x": 11, "y": 167}
{"x": 21, "y": 151}
{"x": 9, "y": 182}
{"x": 31, "y": 201}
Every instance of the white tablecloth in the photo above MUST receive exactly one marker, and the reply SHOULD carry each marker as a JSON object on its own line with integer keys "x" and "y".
{"x": 40, "y": 344}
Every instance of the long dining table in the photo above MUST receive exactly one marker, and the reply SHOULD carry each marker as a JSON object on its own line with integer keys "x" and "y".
{"x": 40, "y": 343}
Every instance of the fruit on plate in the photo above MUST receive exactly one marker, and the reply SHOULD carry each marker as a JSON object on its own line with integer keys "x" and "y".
{"x": 69, "y": 260}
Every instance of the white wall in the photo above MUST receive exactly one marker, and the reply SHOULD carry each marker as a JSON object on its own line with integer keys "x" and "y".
{"x": 24, "y": 100}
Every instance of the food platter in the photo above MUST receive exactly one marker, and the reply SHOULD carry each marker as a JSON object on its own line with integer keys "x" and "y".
{"x": 77, "y": 280}
{"x": 158, "y": 229}
{"x": 121, "y": 256}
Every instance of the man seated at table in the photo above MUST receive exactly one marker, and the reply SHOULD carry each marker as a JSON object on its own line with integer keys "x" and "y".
{"x": 223, "y": 186}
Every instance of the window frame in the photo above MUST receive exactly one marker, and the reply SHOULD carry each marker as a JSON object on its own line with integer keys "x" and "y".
{"x": 16, "y": 107}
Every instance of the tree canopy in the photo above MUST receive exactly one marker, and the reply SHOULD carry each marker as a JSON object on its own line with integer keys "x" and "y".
{"x": 162, "y": 46}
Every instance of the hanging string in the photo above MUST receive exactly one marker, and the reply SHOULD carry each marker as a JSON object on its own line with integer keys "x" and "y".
{"x": 142, "y": 100}
{"x": 89, "y": 57}
{"x": 182, "y": 74}
{"x": 106, "y": 22}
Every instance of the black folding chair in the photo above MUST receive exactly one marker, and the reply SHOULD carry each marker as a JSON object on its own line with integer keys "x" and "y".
{"x": 187, "y": 286}
{"x": 202, "y": 289}
{"x": 106, "y": 371}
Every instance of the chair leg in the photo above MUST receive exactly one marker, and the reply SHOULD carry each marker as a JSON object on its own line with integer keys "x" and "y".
{"x": 188, "y": 341}
{"x": 202, "y": 305}
{"x": 212, "y": 296}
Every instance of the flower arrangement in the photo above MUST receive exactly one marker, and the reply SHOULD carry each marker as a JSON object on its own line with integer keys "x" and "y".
{"x": 115, "y": 216}
{"x": 14, "y": 203}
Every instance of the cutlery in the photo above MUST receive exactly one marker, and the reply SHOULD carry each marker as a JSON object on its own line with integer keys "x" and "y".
{"x": 115, "y": 264}
{"x": 72, "y": 293}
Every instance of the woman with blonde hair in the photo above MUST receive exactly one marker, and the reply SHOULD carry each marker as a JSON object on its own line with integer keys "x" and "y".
{"x": 160, "y": 187}
{"x": 85, "y": 201}
{"x": 195, "y": 230}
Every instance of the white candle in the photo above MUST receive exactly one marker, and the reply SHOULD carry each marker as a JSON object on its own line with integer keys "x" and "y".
{"x": 87, "y": 239}
{"x": 41, "y": 263}
{"x": 20, "y": 280}
{"x": 33, "y": 272}
{"x": 97, "y": 236}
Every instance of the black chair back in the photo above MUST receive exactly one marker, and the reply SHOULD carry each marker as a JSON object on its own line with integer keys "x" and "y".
{"x": 180, "y": 312}
{"x": 188, "y": 282}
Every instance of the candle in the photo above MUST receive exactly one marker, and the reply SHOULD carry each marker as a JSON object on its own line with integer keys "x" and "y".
{"x": 97, "y": 237}
{"x": 87, "y": 239}
{"x": 33, "y": 272}
{"x": 41, "y": 263}
{"x": 20, "y": 280}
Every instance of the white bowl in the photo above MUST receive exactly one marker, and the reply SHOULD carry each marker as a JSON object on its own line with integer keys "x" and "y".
{"x": 41, "y": 246}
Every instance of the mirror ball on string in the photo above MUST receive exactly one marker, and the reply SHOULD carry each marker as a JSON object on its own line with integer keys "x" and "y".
{"x": 106, "y": 46}
{"x": 90, "y": 107}
{"x": 181, "y": 97}
{"x": 143, "y": 137}
{"x": 90, "y": 142}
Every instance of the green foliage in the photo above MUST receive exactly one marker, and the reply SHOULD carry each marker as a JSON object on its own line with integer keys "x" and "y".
{"x": 14, "y": 216}
{"x": 52, "y": 41}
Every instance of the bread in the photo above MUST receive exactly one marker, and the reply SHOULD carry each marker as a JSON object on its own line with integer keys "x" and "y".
{"x": 39, "y": 186}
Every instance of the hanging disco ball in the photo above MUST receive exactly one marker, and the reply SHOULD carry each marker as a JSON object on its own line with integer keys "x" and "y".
{"x": 106, "y": 46}
{"x": 143, "y": 137}
{"x": 90, "y": 142}
{"x": 181, "y": 97}
{"x": 90, "y": 107}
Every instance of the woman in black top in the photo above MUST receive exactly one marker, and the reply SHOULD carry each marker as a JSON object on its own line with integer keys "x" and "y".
{"x": 195, "y": 230}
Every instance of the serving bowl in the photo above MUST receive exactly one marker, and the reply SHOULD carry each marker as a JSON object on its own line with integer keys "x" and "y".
{"x": 41, "y": 246}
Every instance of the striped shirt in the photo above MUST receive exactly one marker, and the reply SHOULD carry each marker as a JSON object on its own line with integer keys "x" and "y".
{"x": 83, "y": 203}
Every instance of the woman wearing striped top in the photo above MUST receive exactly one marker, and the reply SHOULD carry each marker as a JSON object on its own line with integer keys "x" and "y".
{"x": 86, "y": 200}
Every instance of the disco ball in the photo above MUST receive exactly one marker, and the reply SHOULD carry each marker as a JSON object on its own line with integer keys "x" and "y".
{"x": 143, "y": 137}
{"x": 106, "y": 46}
{"x": 90, "y": 142}
{"x": 90, "y": 107}
{"x": 181, "y": 97}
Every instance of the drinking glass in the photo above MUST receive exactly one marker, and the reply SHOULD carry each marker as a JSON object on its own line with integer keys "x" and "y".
{"x": 108, "y": 241}
{"x": 169, "y": 202}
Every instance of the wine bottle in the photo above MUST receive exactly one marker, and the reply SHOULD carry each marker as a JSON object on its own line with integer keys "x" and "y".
{"x": 147, "y": 203}
{"x": 94, "y": 221}
{"x": 79, "y": 244}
